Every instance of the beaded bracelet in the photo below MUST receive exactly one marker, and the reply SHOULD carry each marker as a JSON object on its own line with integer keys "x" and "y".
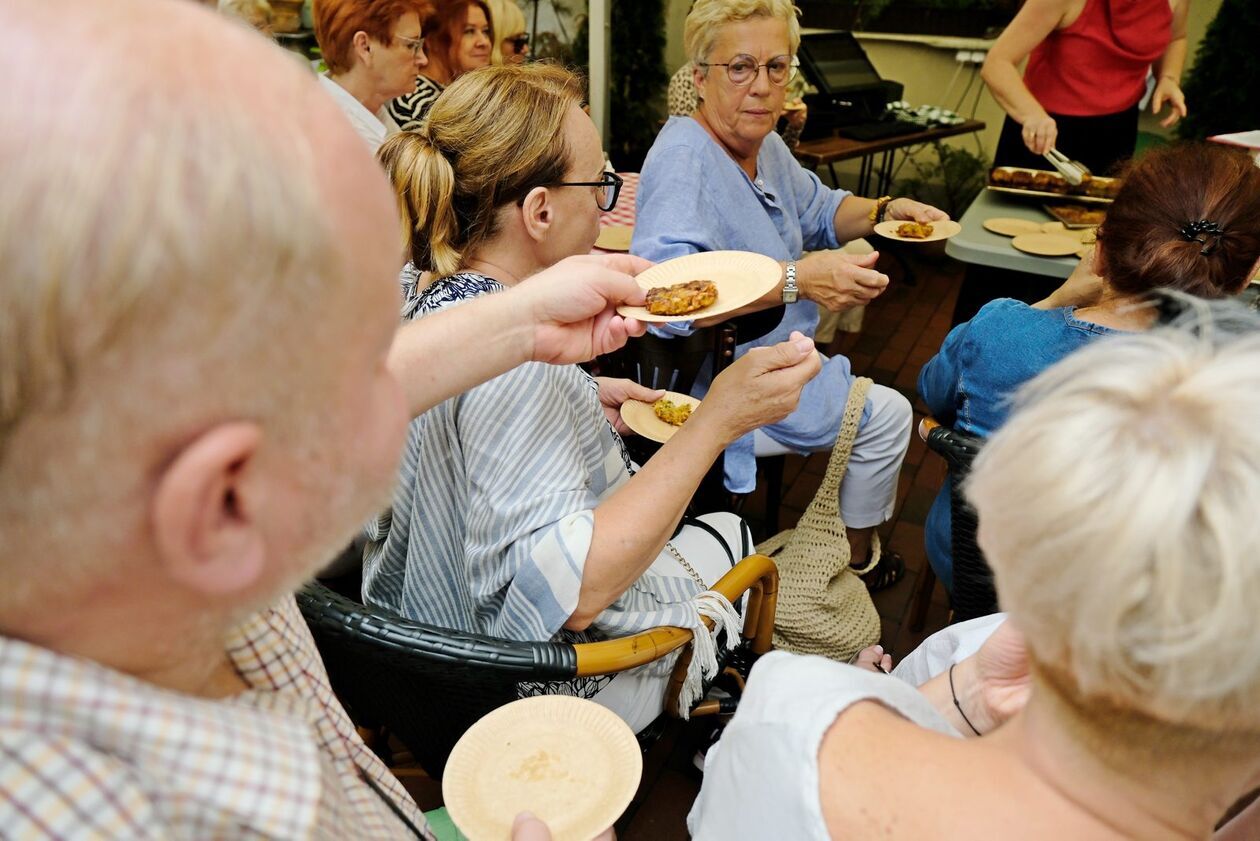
{"x": 956, "y": 704}
{"x": 877, "y": 212}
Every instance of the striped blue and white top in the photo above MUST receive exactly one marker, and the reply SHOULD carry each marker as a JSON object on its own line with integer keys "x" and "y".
{"x": 493, "y": 516}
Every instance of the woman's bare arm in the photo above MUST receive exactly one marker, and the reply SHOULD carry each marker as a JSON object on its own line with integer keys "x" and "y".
{"x": 1168, "y": 69}
{"x": 1036, "y": 20}
{"x": 632, "y": 525}
{"x": 563, "y": 315}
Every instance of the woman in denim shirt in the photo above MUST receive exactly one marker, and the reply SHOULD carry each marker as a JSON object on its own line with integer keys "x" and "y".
{"x": 1187, "y": 218}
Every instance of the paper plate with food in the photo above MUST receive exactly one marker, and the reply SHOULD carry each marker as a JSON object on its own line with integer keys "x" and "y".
{"x": 917, "y": 231}
{"x": 569, "y": 761}
{"x": 704, "y": 285}
{"x": 660, "y": 420}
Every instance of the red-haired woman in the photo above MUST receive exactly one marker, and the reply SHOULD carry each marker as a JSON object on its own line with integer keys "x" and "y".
{"x": 459, "y": 38}
{"x": 1187, "y": 219}
{"x": 374, "y": 49}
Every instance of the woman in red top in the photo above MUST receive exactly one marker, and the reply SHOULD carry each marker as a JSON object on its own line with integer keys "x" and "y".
{"x": 1087, "y": 67}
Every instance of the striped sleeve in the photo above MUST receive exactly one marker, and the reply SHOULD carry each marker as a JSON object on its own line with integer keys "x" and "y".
{"x": 531, "y": 499}
{"x": 410, "y": 109}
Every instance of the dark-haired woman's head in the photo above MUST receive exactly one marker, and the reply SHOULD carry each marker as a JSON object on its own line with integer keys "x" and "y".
{"x": 459, "y": 38}
{"x": 1187, "y": 218}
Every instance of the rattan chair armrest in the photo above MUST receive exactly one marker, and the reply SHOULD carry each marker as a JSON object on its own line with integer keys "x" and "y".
{"x": 926, "y": 426}
{"x": 755, "y": 575}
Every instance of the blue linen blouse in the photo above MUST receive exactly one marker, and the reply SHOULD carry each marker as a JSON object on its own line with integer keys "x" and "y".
{"x": 693, "y": 197}
{"x": 969, "y": 384}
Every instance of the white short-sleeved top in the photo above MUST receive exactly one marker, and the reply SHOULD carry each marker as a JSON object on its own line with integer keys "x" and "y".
{"x": 373, "y": 128}
{"x": 761, "y": 779}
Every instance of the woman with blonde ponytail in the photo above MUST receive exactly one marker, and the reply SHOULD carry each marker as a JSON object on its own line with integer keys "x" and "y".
{"x": 518, "y": 513}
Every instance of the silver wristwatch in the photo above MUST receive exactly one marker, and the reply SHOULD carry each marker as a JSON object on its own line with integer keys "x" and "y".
{"x": 790, "y": 292}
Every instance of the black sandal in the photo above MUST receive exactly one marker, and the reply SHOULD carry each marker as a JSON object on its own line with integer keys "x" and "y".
{"x": 890, "y": 569}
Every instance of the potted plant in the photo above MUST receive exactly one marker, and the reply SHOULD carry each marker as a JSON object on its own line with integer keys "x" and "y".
{"x": 637, "y": 79}
{"x": 1223, "y": 86}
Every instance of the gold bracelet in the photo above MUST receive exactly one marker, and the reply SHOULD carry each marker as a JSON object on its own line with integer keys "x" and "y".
{"x": 877, "y": 212}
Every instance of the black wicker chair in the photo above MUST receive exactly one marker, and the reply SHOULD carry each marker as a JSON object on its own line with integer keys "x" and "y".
{"x": 426, "y": 685}
{"x": 974, "y": 594}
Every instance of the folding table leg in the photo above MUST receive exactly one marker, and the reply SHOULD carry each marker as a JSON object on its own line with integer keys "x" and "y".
{"x": 885, "y": 172}
{"x": 864, "y": 175}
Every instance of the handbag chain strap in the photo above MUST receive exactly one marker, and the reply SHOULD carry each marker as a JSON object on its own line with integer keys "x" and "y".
{"x": 682, "y": 562}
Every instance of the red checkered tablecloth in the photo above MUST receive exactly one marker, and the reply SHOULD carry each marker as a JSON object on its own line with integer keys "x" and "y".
{"x": 623, "y": 213}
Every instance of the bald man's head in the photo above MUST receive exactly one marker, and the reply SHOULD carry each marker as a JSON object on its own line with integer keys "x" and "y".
{"x": 190, "y": 234}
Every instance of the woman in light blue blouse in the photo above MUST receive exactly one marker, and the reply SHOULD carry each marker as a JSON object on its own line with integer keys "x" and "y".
{"x": 722, "y": 179}
{"x": 518, "y": 513}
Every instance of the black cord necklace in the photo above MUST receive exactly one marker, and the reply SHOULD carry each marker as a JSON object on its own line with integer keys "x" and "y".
{"x": 393, "y": 807}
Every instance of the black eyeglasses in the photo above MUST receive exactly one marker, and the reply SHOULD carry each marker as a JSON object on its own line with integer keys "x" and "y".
{"x": 518, "y": 42}
{"x": 606, "y": 196}
{"x": 743, "y": 69}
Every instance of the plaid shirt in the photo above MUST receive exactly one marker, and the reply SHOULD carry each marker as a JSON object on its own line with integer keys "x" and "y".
{"x": 87, "y": 752}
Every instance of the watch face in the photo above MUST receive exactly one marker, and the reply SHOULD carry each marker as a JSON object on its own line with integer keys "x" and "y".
{"x": 789, "y": 296}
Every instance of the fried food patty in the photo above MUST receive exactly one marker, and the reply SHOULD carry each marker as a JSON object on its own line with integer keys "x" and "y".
{"x": 914, "y": 230}
{"x": 681, "y": 298}
{"x": 672, "y": 413}
{"x": 1074, "y": 214}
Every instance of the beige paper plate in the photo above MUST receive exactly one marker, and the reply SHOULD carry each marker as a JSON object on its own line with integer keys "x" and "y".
{"x": 940, "y": 230}
{"x": 741, "y": 277}
{"x": 1047, "y": 245}
{"x": 615, "y": 238}
{"x": 571, "y": 762}
{"x": 1059, "y": 229}
{"x": 640, "y": 417}
{"x": 1010, "y": 227}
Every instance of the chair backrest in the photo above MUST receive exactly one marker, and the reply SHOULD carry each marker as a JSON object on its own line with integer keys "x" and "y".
{"x": 671, "y": 364}
{"x": 425, "y": 684}
{"x": 974, "y": 594}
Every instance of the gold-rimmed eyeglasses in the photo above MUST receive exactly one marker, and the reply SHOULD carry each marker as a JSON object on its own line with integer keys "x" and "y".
{"x": 416, "y": 45}
{"x": 743, "y": 69}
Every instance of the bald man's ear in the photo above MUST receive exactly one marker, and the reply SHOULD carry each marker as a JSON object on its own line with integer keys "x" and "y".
{"x": 203, "y": 515}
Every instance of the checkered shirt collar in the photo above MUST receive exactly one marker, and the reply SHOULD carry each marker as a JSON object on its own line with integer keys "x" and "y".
{"x": 203, "y": 763}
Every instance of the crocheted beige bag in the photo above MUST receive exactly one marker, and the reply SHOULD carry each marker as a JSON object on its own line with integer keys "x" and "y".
{"x": 824, "y": 608}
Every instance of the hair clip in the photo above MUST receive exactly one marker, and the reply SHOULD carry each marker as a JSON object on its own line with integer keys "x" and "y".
{"x": 1199, "y": 231}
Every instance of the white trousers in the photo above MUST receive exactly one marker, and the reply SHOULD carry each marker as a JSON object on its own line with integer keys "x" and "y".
{"x": 869, "y": 490}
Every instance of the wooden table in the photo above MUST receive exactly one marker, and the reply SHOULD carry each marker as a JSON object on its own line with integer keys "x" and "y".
{"x": 829, "y": 150}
